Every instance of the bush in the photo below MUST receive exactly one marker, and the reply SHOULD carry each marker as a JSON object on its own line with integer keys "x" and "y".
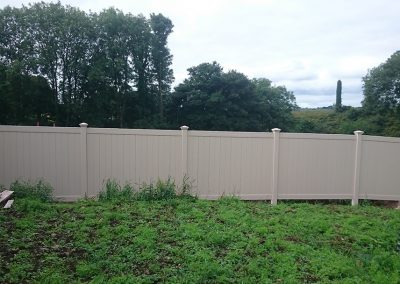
{"x": 40, "y": 190}
{"x": 161, "y": 190}
{"x": 113, "y": 191}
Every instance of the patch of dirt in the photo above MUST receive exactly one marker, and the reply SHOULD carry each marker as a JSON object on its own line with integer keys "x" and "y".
{"x": 114, "y": 222}
{"x": 293, "y": 239}
{"x": 386, "y": 204}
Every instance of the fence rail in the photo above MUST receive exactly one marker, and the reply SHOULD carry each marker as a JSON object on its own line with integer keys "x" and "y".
{"x": 251, "y": 165}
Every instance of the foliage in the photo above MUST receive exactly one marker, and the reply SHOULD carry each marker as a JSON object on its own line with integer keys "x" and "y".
{"x": 35, "y": 190}
{"x": 161, "y": 57}
{"x": 198, "y": 242}
{"x": 211, "y": 99}
{"x": 108, "y": 69}
{"x": 24, "y": 99}
{"x": 338, "y": 105}
{"x": 382, "y": 87}
{"x": 113, "y": 191}
{"x": 161, "y": 190}
{"x": 277, "y": 104}
{"x": 345, "y": 122}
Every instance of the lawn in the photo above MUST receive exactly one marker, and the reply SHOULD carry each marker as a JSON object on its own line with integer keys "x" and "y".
{"x": 185, "y": 240}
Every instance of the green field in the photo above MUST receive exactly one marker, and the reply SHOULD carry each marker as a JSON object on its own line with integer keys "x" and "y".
{"x": 185, "y": 240}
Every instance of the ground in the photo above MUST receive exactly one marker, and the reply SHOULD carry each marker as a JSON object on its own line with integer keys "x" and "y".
{"x": 186, "y": 240}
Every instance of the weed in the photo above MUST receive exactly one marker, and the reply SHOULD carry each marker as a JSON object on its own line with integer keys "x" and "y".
{"x": 365, "y": 202}
{"x": 40, "y": 190}
{"x": 186, "y": 187}
{"x": 161, "y": 190}
{"x": 113, "y": 191}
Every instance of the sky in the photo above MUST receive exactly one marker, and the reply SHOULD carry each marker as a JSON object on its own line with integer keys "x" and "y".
{"x": 304, "y": 45}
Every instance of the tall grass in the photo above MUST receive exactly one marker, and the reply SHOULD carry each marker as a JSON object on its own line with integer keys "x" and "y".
{"x": 160, "y": 190}
{"x": 39, "y": 189}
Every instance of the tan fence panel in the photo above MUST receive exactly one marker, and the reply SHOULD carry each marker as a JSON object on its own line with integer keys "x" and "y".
{"x": 315, "y": 166}
{"x": 52, "y": 154}
{"x": 380, "y": 168}
{"x": 134, "y": 156}
{"x": 230, "y": 163}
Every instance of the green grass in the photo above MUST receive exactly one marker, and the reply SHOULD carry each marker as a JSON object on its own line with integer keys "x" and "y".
{"x": 185, "y": 240}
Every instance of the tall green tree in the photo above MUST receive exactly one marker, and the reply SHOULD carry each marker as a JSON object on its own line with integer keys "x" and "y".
{"x": 161, "y": 57}
{"x": 16, "y": 43}
{"x": 140, "y": 50}
{"x": 381, "y": 87}
{"x": 62, "y": 44}
{"x": 338, "y": 105}
{"x": 111, "y": 64}
{"x": 24, "y": 99}
{"x": 277, "y": 104}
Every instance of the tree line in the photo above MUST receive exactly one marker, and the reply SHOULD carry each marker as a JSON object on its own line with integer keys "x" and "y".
{"x": 60, "y": 65}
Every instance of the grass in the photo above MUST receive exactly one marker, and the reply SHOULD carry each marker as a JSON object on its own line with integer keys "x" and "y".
{"x": 183, "y": 240}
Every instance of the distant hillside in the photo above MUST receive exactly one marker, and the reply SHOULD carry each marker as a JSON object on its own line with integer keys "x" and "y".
{"x": 326, "y": 120}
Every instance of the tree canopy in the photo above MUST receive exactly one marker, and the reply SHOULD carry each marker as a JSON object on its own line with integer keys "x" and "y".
{"x": 60, "y": 65}
{"x": 216, "y": 100}
{"x": 108, "y": 68}
{"x": 382, "y": 86}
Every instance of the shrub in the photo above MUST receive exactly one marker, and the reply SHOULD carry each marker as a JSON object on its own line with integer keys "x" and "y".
{"x": 40, "y": 190}
{"x": 161, "y": 190}
{"x": 186, "y": 187}
{"x": 113, "y": 191}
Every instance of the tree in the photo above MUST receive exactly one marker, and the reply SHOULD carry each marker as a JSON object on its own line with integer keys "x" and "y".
{"x": 338, "y": 105}
{"x": 111, "y": 62}
{"x": 109, "y": 69}
{"x": 277, "y": 104}
{"x": 382, "y": 87}
{"x": 24, "y": 99}
{"x": 161, "y": 57}
{"x": 211, "y": 99}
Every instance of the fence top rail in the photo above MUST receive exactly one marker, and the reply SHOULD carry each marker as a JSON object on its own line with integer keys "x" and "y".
{"x": 317, "y": 136}
{"x": 200, "y": 133}
{"x": 191, "y": 133}
{"x": 381, "y": 139}
{"x": 39, "y": 129}
{"x": 123, "y": 131}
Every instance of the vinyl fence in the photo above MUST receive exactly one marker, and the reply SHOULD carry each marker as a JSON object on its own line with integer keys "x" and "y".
{"x": 250, "y": 165}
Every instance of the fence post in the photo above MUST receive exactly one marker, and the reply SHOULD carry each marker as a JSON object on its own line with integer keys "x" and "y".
{"x": 357, "y": 165}
{"x": 84, "y": 170}
{"x": 184, "y": 130}
{"x": 275, "y": 166}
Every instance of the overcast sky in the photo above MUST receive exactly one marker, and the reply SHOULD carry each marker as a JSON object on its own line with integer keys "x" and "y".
{"x": 305, "y": 45}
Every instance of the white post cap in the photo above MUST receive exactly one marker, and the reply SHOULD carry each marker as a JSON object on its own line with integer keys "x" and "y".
{"x": 83, "y": 124}
{"x": 184, "y": 127}
{"x": 276, "y": 130}
{"x": 358, "y": 132}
